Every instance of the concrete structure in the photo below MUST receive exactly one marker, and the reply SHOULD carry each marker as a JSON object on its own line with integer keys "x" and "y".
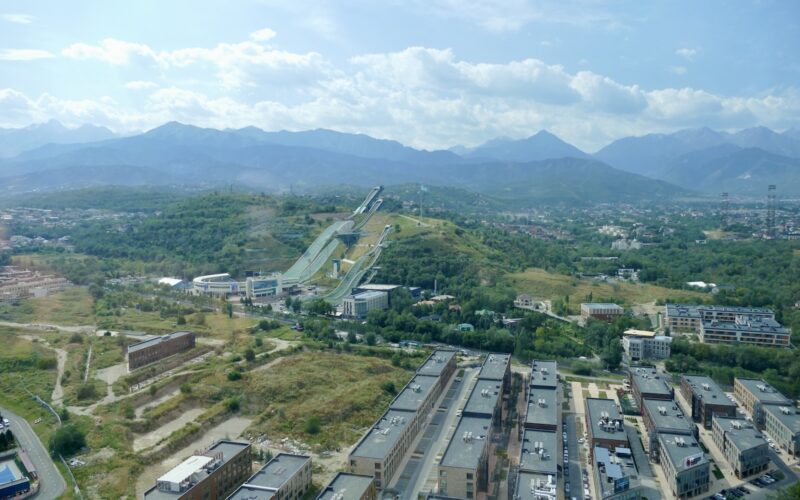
{"x": 603, "y": 312}
{"x": 155, "y": 349}
{"x": 664, "y": 416}
{"x": 263, "y": 286}
{"x": 540, "y": 452}
{"x": 688, "y": 318}
{"x": 685, "y": 465}
{"x": 751, "y": 330}
{"x": 647, "y": 383}
{"x": 544, "y": 410}
{"x": 640, "y": 345}
{"x": 485, "y": 401}
{"x": 782, "y": 423}
{"x": 544, "y": 374}
{"x": 219, "y": 285}
{"x": 604, "y": 424}
{"x": 286, "y": 476}
{"x": 497, "y": 367}
{"x": 390, "y": 290}
{"x": 358, "y": 306}
{"x": 346, "y": 486}
{"x": 706, "y": 399}
{"x": 12, "y": 482}
{"x": 743, "y": 446}
{"x": 524, "y": 301}
{"x": 209, "y": 475}
{"x": 615, "y": 474}
{"x": 18, "y": 283}
{"x": 754, "y": 395}
{"x": 464, "y": 468}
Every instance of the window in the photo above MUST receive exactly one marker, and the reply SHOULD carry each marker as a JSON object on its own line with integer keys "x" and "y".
{"x": 469, "y": 475}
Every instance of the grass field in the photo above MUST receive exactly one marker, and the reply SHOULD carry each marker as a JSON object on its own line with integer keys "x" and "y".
{"x": 70, "y": 307}
{"x": 543, "y": 284}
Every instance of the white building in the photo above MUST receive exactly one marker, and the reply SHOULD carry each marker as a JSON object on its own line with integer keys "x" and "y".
{"x": 220, "y": 285}
{"x": 359, "y": 305}
{"x": 641, "y": 344}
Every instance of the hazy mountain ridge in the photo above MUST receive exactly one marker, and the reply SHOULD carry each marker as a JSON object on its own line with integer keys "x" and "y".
{"x": 15, "y": 141}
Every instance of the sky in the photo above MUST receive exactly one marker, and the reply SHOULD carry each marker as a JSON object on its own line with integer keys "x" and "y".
{"x": 428, "y": 73}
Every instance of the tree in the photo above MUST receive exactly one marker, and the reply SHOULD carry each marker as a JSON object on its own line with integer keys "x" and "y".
{"x": 229, "y": 309}
{"x": 370, "y": 338}
{"x": 250, "y": 355}
{"x": 389, "y": 388}
{"x": 67, "y": 440}
{"x": 313, "y": 425}
{"x": 612, "y": 355}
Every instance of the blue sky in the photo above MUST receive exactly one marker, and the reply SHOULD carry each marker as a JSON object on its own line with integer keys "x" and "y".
{"x": 430, "y": 73}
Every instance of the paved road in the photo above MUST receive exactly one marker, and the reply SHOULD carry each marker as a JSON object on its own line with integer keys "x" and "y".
{"x": 574, "y": 472}
{"x": 51, "y": 484}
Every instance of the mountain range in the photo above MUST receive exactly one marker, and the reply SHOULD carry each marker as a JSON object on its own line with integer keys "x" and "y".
{"x": 536, "y": 169}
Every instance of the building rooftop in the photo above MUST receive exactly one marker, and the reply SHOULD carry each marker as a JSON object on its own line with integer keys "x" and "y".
{"x": 467, "y": 445}
{"x": 667, "y": 417}
{"x": 600, "y": 306}
{"x": 632, "y": 332}
{"x": 247, "y": 492}
{"x": 539, "y": 452}
{"x": 217, "y": 456}
{"x": 740, "y": 432}
{"x": 9, "y": 472}
{"x": 542, "y": 407}
{"x": 787, "y": 415}
{"x": 414, "y": 393}
{"x": 690, "y": 311}
{"x": 683, "y": 451}
{"x": 736, "y": 310}
{"x": 683, "y": 311}
{"x": 544, "y": 373}
{"x": 495, "y": 366}
{"x": 346, "y": 485}
{"x": 484, "y": 398}
{"x": 616, "y": 469}
{"x": 705, "y": 387}
{"x": 649, "y": 381}
{"x": 371, "y": 294}
{"x": 535, "y": 486}
{"x": 378, "y": 287}
{"x": 436, "y": 362}
{"x": 750, "y": 324}
{"x": 277, "y": 471}
{"x": 764, "y": 392}
{"x": 156, "y": 340}
{"x": 383, "y": 435}
{"x": 605, "y": 419}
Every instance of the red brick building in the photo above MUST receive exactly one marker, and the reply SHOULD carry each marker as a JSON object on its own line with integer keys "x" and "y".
{"x": 158, "y": 348}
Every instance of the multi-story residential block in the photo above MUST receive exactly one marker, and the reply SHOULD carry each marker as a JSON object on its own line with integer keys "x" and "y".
{"x": 682, "y": 318}
{"x": 359, "y": 305}
{"x": 418, "y": 398}
{"x": 486, "y": 401}
{"x": 543, "y": 412}
{"x": 441, "y": 364}
{"x": 782, "y": 423}
{"x": 751, "y": 330}
{"x": 647, "y": 383}
{"x": 535, "y": 486}
{"x": 211, "y": 475}
{"x": 540, "y": 452}
{"x": 742, "y": 444}
{"x": 155, "y": 349}
{"x": 544, "y": 374}
{"x": 755, "y": 395}
{"x": 464, "y": 468}
{"x": 604, "y": 424}
{"x": 706, "y": 399}
{"x": 686, "y": 318}
{"x": 497, "y": 367}
{"x": 685, "y": 465}
{"x": 615, "y": 474}
{"x": 349, "y": 486}
{"x": 641, "y": 344}
{"x": 285, "y": 477}
{"x": 664, "y": 416}
{"x": 602, "y": 312}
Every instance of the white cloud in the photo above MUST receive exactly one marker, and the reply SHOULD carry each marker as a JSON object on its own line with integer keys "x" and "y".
{"x": 678, "y": 70}
{"x": 687, "y": 53}
{"x": 262, "y": 35}
{"x": 24, "y": 54}
{"x": 18, "y": 18}
{"x": 141, "y": 85}
{"x": 111, "y": 51}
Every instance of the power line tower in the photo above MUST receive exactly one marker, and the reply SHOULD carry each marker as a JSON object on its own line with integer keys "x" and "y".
{"x": 771, "y": 211}
{"x": 725, "y": 209}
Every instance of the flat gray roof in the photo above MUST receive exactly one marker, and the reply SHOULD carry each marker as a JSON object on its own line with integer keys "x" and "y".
{"x": 368, "y": 295}
{"x": 545, "y": 412}
{"x": 156, "y": 340}
{"x": 545, "y": 461}
{"x": 790, "y": 420}
{"x": 383, "y": 435}
{"x": 764, "y": 392}
{"x": 347, "y": 485}
{"x": 744, "y": 437}
{"x": 752, "y": 325}
{"x": 683, "y": 311}
{"x": 495, "y": 366}
{"x": 465, "y": 453}
{"x": 650, "y": 382}
{"x": 436, "y": 362}
{"x": 678, "y": 454}
{"x": 620, "y": 467}
{"x": 484, "y": 397}
{"x": 526, "y": 483}
{"x": 705, "y": 388}
{"x": 414, "y": 393}
{"x": 277, "y": 471}
{"x": 245, "y": 492}
{"x": 544, "y": 373}
{"x": 672, "y": 420}
{"x": 601, "y": 305}
{"x": 595, "y": 408}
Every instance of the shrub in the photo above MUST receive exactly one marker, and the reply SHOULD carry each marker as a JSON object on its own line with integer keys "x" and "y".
{"x": 234, "y": 375}
{"x": 67, "y": 440}
{"x": 76, "y": 338}
{"x": 86, "y": 391}
{"x": 313, "y": 425}
{"x": 250, "y": 355}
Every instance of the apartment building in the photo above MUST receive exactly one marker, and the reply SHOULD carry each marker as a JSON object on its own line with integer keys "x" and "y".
{"x": 661, "y": 416}
{"x": 640, "y": 345}
{"x": 685, "y": 465}
{"x": 604, "y": 424}
{"x": 754, "y": 395}
{"x": 152, "y": 350}
{"x": 497, "y": 367}
{"x": 349, "y": 486}
{"x": 486, "y": 401}
{"x": 782, "y": 423}
{"x": 687, "y": 318}
{"x": 285, "y": 477}
{"x": 615, "y": 474}
{"x": 543, "y": 411}
{"x": 535, "y": 486}
{"x": 750, "y": 330}
{"x": 647, "y": 383}
{"x": 743, "y": 446}
{"x": 540, "y": 452}
{"x": 706, "y": 399}
{"x": 210, "y": 475}
{"x": 464, "y": 468}
{"x": 544, "y": 374}
{"x": 602, "y": 312}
